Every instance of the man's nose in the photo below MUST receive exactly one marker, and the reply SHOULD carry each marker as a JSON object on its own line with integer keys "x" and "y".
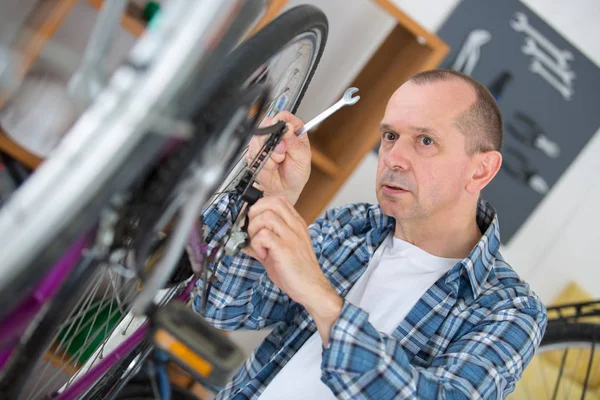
{"x": 399, "y": 156}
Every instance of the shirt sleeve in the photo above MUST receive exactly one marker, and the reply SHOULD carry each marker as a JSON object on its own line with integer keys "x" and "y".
{"x": 485, "y": 363}
{"x": 242, "y": 295}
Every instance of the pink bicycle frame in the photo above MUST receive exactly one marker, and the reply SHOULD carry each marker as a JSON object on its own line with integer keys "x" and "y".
{"x": 15, "y": 323}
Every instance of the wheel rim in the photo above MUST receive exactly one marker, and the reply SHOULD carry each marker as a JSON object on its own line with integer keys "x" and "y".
{"x": 96, "y": 325}
{"x": 564, "y": 370}
{"x": 285, "y": 89}
{"x": 292, "y": 67}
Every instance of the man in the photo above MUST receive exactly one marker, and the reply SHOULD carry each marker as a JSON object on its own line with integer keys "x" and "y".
{"x": 406, "y": 299}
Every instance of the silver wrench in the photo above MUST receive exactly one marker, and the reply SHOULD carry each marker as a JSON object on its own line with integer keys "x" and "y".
{"x": 521, "y": 24}
{"x": 537, "y": 67}
{"x": 346, "y": 100}
{"x": 531, "y": 48}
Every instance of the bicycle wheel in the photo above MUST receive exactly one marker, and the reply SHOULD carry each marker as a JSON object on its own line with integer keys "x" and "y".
{"x": 283, "y": 55}
{"x": 307, "y": 27}
{"x": 95, "y": 318}
{"x": 111, "y": 145}
{"x": 86, "y": 320}
{"x": 566, "y": 365}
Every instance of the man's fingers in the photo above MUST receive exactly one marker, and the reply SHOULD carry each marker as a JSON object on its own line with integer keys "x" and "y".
{"x": 264, "y": 242}
{"x": 271, "y": 165}
{"x": 279, "y": 206}
{"x": 289, "y": 118}
{"x": 268, "y": 121}
{"x": 277, "y": 158}
{"x": 298, "y": 148}
{"x": 269, "y": 220}
{"x": 249, "y": 251}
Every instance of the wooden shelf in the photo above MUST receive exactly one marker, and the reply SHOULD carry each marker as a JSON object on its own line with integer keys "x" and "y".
{"x": 131, "y": 21}
{"x": 422, "y": 34}
{"x": 134, "y": 24}
{"x": 39, "y": 27}
{"x": 273, "y": 9}
{"x": 348, "y": 135}
{"x": 17, "y": 152}
{"x": 324, "y": 163}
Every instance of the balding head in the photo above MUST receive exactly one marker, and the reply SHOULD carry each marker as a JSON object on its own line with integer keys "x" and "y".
{"x": 481, "y": 123}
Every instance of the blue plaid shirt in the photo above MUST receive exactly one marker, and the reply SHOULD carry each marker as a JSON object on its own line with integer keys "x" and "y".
{"x": 470, "y": 336}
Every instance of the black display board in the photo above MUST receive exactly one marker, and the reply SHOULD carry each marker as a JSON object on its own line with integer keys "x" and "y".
{"x": 549, "y": 94}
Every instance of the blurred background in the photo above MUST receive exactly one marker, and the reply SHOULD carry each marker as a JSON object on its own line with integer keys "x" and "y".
{"x": 547, "y": 196}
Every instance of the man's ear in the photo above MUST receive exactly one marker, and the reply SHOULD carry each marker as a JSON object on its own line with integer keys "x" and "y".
{"x": 487, "y": 164}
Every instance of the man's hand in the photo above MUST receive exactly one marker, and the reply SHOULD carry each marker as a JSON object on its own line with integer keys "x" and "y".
{"x": 287, "y": 170}
{"x": 280, "y": 240}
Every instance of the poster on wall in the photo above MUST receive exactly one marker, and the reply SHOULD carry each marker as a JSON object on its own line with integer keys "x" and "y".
{"x": 548, "y": 91}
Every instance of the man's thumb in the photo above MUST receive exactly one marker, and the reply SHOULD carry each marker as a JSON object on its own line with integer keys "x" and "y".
{"x": 280, "y": 148}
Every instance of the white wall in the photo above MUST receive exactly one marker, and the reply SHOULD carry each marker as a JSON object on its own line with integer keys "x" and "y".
{"x": 557, "y": 243}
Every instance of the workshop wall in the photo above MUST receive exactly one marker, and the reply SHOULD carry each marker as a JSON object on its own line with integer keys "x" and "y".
{"x": 546, "y": 89}
{"x": 555, "y": 242}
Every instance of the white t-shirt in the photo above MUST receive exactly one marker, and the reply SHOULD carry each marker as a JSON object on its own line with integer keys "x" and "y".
{"x": 398, "y": 275}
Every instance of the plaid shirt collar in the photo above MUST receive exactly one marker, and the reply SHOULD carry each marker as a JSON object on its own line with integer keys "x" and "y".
{"x": 476, "y": 267}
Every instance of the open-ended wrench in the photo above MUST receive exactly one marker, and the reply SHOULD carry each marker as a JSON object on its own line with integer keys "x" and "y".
{"x": 346, "y": 100}
{"x": 521, "y": 24}
{"x": 537, "y": 67}
{"x": 531, "y": 48}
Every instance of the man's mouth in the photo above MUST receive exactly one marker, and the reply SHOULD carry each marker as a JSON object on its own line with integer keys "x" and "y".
{"x": 393, "y": 189}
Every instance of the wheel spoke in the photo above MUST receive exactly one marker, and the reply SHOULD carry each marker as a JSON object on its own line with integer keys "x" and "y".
{"x": 560, "y": 373}
{"x": 98, "y": 351}
{"x": 60, "y": 346}
{"x": 117, "y": 292}
{"x": 589, "y": 369}
{"x": 72, "y": 362}
{"x": 574, "y": 370}
{"x": 106, "y": 326}
{"x": 545, "y": 380}
{"x": 79, "y": 327}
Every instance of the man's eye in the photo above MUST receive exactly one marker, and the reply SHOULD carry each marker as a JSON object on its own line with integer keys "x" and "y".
{"x": 426, "y": 140}
{"x": 390, "y": 136}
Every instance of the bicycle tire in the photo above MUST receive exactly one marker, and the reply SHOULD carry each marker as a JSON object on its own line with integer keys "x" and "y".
{"x": 296, "y": 20}
{"x": 238, "y": 67}
{"x": 573, "y": 332}
{"x": 256, "y": 51}
{"x": 561, "y": 338}
{"x": 114, "y": 167}
{"x": 266, "y": 43}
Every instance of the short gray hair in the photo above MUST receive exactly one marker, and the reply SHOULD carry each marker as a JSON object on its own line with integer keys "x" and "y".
{"x": 482, "y": 122}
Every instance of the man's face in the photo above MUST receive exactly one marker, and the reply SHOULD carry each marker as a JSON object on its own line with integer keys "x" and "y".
{"x": 423, "y": 166}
